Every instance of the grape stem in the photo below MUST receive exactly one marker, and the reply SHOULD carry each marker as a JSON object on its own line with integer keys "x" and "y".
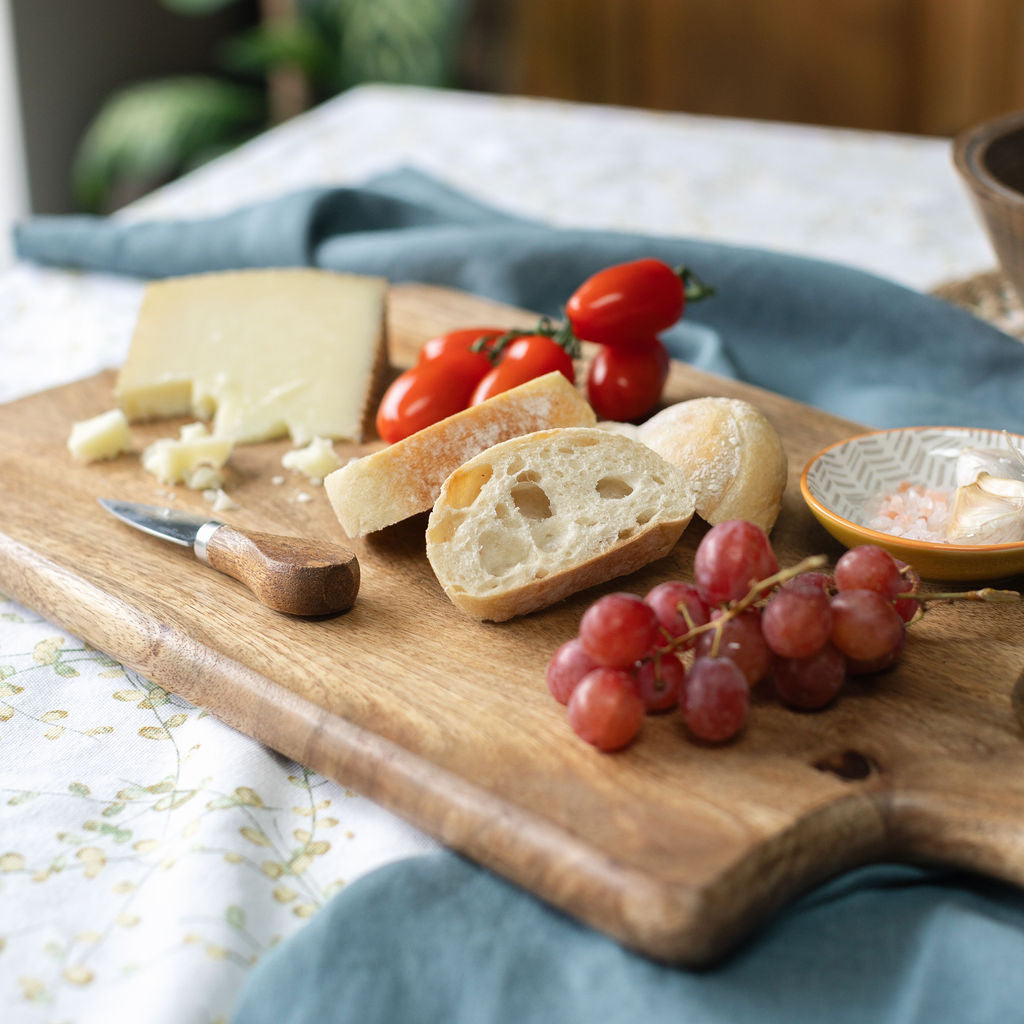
{"x": 989, "y": 594}
{"x": 759, "y": 588}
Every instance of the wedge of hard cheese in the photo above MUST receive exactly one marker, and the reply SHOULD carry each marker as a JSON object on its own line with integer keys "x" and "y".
{"x": 263, "y": 353}
{"x": 404, "y": 479}
{"x": 537, "y": 518}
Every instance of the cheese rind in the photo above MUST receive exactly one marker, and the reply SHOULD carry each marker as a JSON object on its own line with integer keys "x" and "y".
{"x": 263, "y": 353}
{"x": 101, "y": 437}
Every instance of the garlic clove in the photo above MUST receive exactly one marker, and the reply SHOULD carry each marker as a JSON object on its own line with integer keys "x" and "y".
{"x": 973, "y": 462}
{"x": 1004, "y": 487}
{"x": 982, "y": 516}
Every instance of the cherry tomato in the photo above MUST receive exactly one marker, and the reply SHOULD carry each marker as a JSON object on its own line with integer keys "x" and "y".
{"x": 627, "y": 301}
{"x": 527, "y": 357}
{"x": 439, "y": 385}
{"x": 460, "y": 340}
{"x": 427, "y": 393}
{"x": 625, "y": 383}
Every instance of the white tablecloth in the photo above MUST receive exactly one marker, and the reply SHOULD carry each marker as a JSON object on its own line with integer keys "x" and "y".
{"x": 149, "y": 855}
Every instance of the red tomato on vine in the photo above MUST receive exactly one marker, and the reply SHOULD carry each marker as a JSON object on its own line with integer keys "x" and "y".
{"x": 631, "y": 301}
{"x": 526, "y": 357}
{"x": 463, "y": 339}
{"x": 439, "y": 385}
{"x": 625, "y": 384}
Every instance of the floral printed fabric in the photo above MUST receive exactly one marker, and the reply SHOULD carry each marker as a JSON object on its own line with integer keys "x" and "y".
{"x": 149, "y": 854}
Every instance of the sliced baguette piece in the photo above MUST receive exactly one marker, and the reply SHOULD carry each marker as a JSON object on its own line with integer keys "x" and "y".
{"x": 404, "y": 479}
{"x": 731, "y": 453}
{"x": 535, "y": 519}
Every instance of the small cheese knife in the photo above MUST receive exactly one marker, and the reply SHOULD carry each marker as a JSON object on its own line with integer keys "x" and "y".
{"x": 289, "y": 574}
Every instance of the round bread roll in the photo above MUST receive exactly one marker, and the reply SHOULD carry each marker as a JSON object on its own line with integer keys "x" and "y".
{"x": 730, "y": 452}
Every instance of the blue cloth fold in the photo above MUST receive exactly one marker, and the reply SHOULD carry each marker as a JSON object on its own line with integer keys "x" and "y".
{"x": 437, "y": 939}
{"x": 828, "y": 335}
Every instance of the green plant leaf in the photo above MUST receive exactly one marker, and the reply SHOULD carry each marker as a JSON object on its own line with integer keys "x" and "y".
{"x": 196, "y": 8}
{"x": 296, "y": 44}
{"x": 146, "y": 133}
{"x": 406, "y": 41}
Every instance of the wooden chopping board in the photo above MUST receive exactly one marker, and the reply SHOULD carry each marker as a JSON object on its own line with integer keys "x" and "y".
{"x": 676, "y": 849}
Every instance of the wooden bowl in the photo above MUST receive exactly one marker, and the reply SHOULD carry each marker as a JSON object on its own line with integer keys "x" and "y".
{"x": 842, "y": 482}
{"x": 990, "y": 159}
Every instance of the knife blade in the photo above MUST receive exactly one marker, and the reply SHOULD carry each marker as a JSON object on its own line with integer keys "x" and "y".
{"x": 294, "y": 575}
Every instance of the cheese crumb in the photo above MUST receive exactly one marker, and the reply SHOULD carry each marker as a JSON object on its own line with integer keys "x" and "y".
{"x": 316, "y": 460}
{"x": 102, "y": 437}
{"x": 195, "y": 458}
{"x": 220, "y": 499}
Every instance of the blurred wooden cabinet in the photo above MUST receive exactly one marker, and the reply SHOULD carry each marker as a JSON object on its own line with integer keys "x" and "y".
{"x": 924, "y": 66}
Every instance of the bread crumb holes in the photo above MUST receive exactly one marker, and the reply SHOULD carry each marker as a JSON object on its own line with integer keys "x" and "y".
{"x": 531, "y": 500}
{"x": 613, "y": 487}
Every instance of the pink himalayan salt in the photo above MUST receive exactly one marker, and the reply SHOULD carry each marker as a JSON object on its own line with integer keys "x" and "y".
{"x": 913, "y": 512}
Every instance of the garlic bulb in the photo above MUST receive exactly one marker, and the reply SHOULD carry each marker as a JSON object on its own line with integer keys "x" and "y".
{"x": 988, "y": 511}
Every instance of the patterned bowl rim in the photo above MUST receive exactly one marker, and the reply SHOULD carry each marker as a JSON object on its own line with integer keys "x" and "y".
{"x": 878, "y": 536}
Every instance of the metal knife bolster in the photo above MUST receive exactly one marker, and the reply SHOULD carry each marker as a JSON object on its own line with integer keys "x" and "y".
{"x": 203, "y": 537}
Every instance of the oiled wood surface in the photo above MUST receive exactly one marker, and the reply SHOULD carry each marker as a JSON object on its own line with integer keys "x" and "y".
{"x": 677, "y": 849}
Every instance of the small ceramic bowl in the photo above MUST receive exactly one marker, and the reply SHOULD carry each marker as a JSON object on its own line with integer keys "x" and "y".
{"x": 990, "y": 159}
{"x": 842, "y": 483}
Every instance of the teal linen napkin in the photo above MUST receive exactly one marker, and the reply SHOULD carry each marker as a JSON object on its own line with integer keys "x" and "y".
{"x": 831, "y": 336}
{"x": 437, "y": 939}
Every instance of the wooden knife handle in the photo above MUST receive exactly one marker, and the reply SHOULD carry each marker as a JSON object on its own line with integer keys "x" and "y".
{"x": 289, "y": 574}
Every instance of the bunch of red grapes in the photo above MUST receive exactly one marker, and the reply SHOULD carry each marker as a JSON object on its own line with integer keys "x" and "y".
{"x": 701, "y": 646}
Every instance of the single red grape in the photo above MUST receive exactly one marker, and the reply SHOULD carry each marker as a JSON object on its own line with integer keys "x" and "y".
{"x": 868, "y": 567}
{"x": 715, "y": 700}
{"x": 567, "y": 666}
{"x": 865, "y": 625}
{"x": 667, "y": 598}
{"x": 797, "y": 621}
{"x": 618, "y": 629}
{"x": 605, "y": 708}
{"x": 660, "y": 681}
{"x": 730, "y": 558}
{"x": 742, "y": 641}
{"x": 886, "y": 661}
{"x": 814, "y": 580}
{"x": 811, "y": 682}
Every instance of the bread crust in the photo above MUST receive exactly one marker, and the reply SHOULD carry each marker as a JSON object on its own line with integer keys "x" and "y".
{"x": 538, "y": 518}
{"x": 405, "y": 478}
{"x": 732, "y": 454}
{"x": 625, "y": 558}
